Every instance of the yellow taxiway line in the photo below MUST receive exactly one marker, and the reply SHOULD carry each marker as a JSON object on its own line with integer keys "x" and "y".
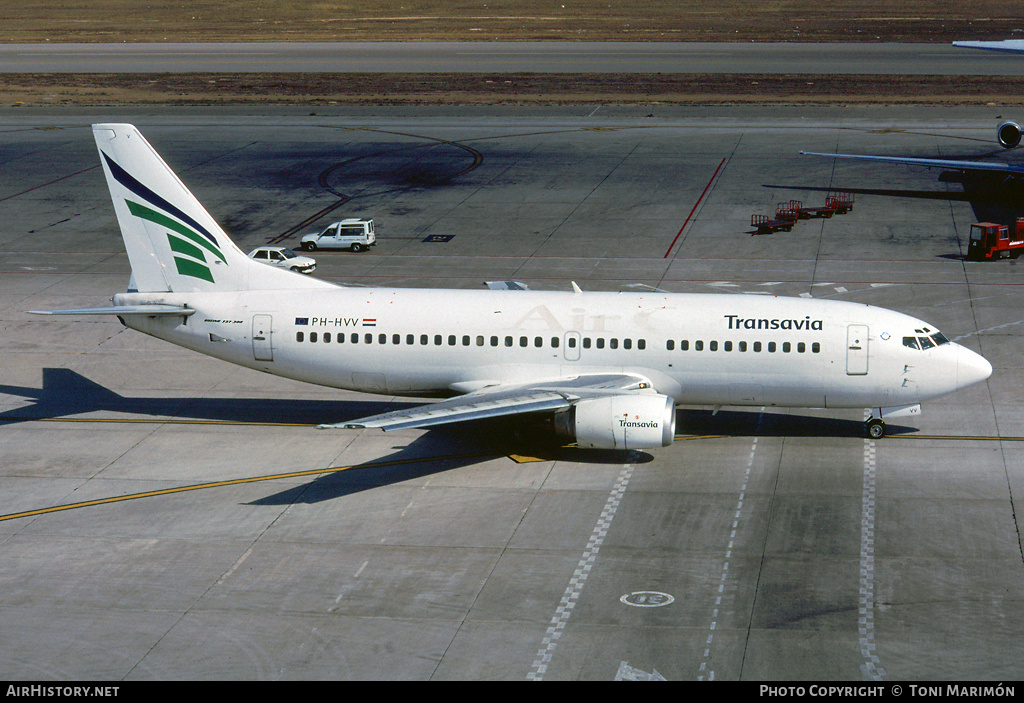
{"x": 232, "y": 482}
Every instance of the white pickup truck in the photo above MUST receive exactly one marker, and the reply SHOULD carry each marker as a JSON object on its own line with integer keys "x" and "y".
{"x": 353, "y": 233}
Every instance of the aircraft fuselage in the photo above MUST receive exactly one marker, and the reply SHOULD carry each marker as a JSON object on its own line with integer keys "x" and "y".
{"x": 701, "y": 349}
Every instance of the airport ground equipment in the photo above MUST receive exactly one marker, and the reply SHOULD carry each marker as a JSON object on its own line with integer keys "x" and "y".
{"x": 806, "y": 213}
{"x": 784, "y": 219}
{"x": 990, "y": 240}
{"x": 837, "y": 203}
{"x": 841, "y": 201}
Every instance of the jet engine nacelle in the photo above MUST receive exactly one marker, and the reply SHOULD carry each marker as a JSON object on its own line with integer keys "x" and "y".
{"x": 620, "y": 422}
{"x": 1008, "y": 134}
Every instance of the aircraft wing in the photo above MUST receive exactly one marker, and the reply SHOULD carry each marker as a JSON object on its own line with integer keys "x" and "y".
{"x": 951, "y": 164}
{"x": 151, "y": 310}
{"x": 498, "y": 401}
{"x": 1013, "y": 46}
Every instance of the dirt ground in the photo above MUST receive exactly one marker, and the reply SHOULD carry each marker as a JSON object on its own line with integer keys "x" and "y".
{"x": 506, "y": 20}
{"x": 323, "y": 89}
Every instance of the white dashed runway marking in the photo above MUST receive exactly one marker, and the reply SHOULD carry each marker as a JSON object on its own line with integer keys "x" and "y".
{"x": 579, "y": 578}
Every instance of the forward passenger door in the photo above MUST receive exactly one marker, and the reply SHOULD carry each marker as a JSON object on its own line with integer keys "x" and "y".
{"x": 856, "y": 350}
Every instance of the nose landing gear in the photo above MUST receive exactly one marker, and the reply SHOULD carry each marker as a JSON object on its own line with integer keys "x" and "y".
{"x": 874, "y": 428}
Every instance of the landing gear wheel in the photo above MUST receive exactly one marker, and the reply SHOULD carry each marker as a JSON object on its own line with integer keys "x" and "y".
{"x": 874, "y": 428}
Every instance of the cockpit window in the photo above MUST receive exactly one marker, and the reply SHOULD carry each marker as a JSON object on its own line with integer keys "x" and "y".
{"x": 925, "y": 342}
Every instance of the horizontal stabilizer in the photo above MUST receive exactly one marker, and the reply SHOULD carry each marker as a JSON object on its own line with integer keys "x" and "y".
{"x": 147, "y": 310}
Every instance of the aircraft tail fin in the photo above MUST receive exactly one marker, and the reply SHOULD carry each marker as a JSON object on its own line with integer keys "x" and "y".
{"x": 173, "y": 243}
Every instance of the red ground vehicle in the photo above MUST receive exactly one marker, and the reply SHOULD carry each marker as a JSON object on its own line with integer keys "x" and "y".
{"x": 990, "y": 240}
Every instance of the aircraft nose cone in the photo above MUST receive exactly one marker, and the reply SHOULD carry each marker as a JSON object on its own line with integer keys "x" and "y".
{"x": 971, "y": 368}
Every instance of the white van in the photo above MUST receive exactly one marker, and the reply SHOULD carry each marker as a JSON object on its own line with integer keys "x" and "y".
{"x": 353, "y": 233}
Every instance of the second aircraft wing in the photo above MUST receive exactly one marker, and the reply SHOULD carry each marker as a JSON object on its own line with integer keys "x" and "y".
{"x": 951, "y": 164}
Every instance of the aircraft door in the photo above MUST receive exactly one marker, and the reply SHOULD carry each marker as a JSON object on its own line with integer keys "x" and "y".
{"x": 571, "y": 346}
{"x": 262, "y": 349}
{"x": 856, "y": 350}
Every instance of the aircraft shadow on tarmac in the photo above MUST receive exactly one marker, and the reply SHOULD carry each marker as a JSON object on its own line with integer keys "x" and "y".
{"x": 445, "y": 449}
{"x": 754, "y": 423}
{"x": 993, "y": 196}
{"x": 66, "y": 394}
{"x": 453, "y": 447}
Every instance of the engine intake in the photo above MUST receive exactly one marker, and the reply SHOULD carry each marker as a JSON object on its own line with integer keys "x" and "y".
{"x": 619, "y": 422}
{"x": 1008, "y": 134}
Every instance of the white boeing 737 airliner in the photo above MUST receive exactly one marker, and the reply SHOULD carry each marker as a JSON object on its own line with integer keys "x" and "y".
{"x": 609, "y": 367}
